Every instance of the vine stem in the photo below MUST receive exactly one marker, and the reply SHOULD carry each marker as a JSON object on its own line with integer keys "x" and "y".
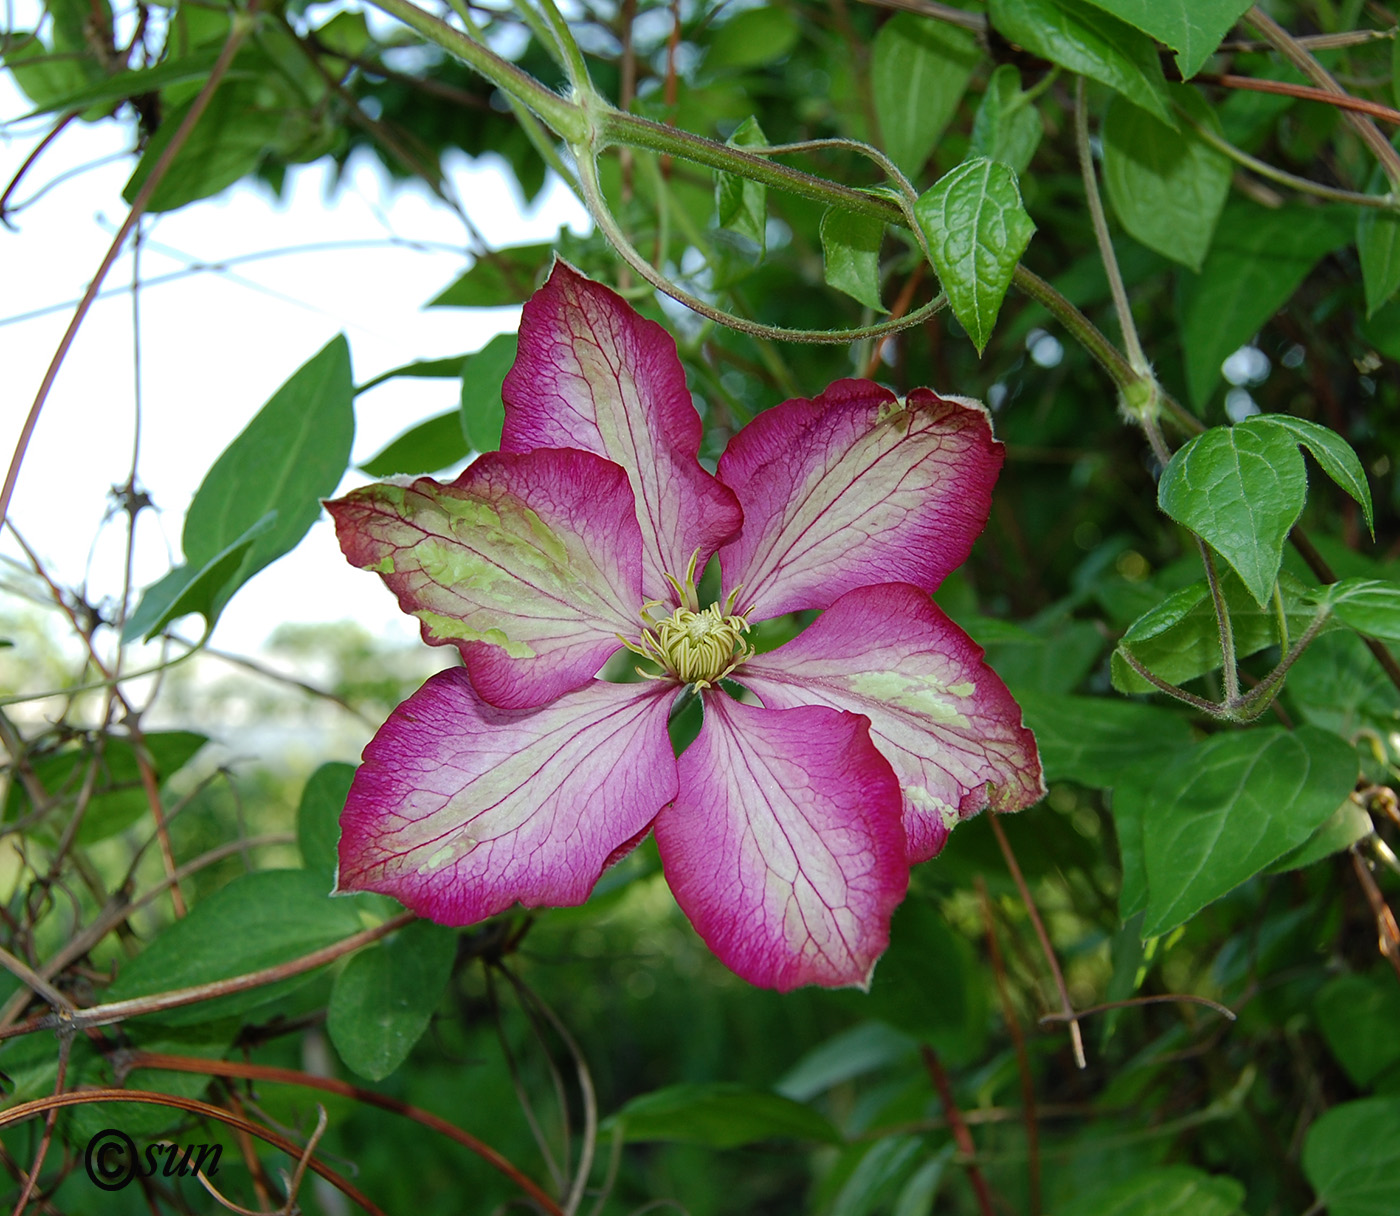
{"x": 149, "y": 782}
{"x": 25, "y": 1110}
{"x": 1168, "y": 998}
{"x": 241, "y": 25}
{"x": 65, "y": 1047}
{"x": 290, "y": 1076}
{"x": 119, "y": 1011}
{"x": 118, "y": 909}
{"x": 1222, "y": 620}
{"x": 603, "y": 217}
{"x": 1303, "y": 185}
{"x": 962, "y": 1136}
{"x": 1066, "y": 1005}
{"x": 1320, "y": 567}
{"x": 1282, "y": 41}
{"x": 1282, "y": 88}
{"x": 1136, "y": 359}
{"x": 1018, "y": 1042}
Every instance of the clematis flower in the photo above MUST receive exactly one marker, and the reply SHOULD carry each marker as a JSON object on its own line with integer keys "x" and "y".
{"x": 787, "y": 829}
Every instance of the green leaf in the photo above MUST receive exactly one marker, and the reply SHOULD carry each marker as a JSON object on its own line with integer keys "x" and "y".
{"x": 882, "y": 1167}
{"x": 318, "y": 818}
{"x": 1367, "y": 605}
{"x": 1357, "y": 1015}
{"x": 1352, "y": 1158}
{"x": 1167, "y": 186}
{"x": 47, "y": 76}
{"x": 926, "y": 984}
{"x": 503, "y": 277}
{"x": 425, "y": 448}
{"x": 1180, "y": 640}
{"x": 483, "y": 413}
{"x": 381, "y": 1002}
{"x": 741, "y": 205}
{"x": 1170, "y": 1190}
{"x": 720, "y": 1115}
{"x": 1008, "y": 125}
{"x": 1378, "y": 246}
{"x": 976, "y": 229}
{"x": 851, "y": 255}
{"x": 233, "y": 135}
{"x": 258, "y": 920}
{"x": 1232, "y": 805}
{"x": 1339, "y": 686}
{"x": 1053, "y": 658}
{"x": 751, "y": 39}
{"x": 423, "y": 369}
{"x": 917, "y": 1197}
{"x": 850, "y": 1054}
{"x": 188, "y": 589}
{"x": 1257, "y": 260}
{"x": 919, "y": 69}
{"x": 1241, "y": 490}
{"x": 1089, "y": 42}
{"x": 1130, "y": 796}
{"x": 1348, "y": 824}
{"x": 1093, "y": 740}
{"x": 118, "y": 796}
{"x": 187, "y": 69}
{"x": 1192, "y": 28}
{"x": 290, "y": 456}
{"x": 1332, "y": 452}
{"x": 287, "y": 459}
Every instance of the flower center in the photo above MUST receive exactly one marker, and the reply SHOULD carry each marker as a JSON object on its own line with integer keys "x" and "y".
{"x": 698, "y": 646}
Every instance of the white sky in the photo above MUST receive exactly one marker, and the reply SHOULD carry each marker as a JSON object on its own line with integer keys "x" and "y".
{"x": 214, "y": 349}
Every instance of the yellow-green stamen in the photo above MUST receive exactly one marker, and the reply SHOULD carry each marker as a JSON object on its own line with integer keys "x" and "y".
{"x": 695, "y": 645}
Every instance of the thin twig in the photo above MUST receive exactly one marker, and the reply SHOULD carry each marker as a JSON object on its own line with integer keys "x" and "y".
{"x": 1170, "y": 998}
{"x": 586, "y": 1093}
{"x": 29, "y": 160}
{"x": 26, "y": 1110}
{"x": 976, "y": 22}
{"x": 556, "y": 1174}
{"x": 1320, "y": 567}
{"x": 34, "y": 981}
{"x": 1018, "y": 1040}
{"x": 1136, "y": 359}
{"x": 1303, "y": 92}
{"x": 65, "y": 1046}
{"x": 1371, "y": 136}
{"x": 119, "y": 1011}
{"x": 1387, "y": 930}
{"x": 1066, "y": 1005}
{"x": 962, "y": 1137}
{"x": 139, "y": 204}
{"x": 290, "y": 1076}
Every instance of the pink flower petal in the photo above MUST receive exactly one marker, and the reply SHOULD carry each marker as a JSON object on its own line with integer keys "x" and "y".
{"x": 461, "y": 809}
{"x": 531, "y": 564}
{"x": 592, "y": 374}
{"x": 938, "y": 713}
{"x": 784, "y": 845}
{"x": 848, "y": 490}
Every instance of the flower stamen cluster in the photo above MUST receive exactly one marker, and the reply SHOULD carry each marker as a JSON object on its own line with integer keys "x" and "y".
{"x": 699, "y": 648}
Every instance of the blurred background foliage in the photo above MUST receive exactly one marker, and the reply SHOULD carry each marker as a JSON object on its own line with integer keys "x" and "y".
{"x": 943, "y": 1089}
